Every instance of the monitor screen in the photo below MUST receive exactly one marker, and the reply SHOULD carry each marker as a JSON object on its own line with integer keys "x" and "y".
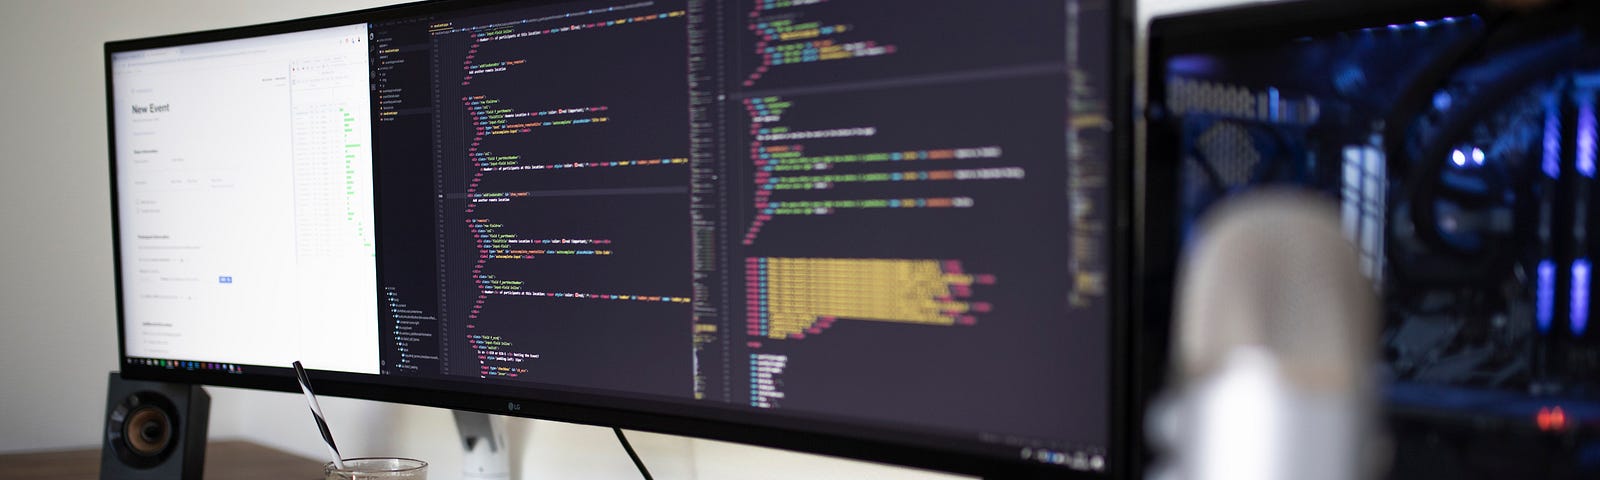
{"x": 1459, "y": 146}
{"x": 244, "y": 194}
{"x": 887, "y": 224}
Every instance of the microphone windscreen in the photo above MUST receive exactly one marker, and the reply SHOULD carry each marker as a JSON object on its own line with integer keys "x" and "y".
{"x": 1272, "y": 269}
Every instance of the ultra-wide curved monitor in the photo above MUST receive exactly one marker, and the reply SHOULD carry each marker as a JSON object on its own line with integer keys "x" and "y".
{"x": 887, "y": 231}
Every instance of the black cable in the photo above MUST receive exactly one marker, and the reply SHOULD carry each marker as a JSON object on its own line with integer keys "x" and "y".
{"x": 636, "y": 462}
{"x": 1424, "y": 184}
{"x": 1421, "y": 177}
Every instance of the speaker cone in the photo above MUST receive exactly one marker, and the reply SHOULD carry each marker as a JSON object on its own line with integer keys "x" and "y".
{"x": 143, "y": 429}
{"x": 148, "y": 431}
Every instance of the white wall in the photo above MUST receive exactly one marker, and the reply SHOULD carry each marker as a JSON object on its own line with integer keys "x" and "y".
{"x": 56, "y": 286}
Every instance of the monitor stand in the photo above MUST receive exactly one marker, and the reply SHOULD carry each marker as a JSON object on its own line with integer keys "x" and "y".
{"x": 483, "y": 446}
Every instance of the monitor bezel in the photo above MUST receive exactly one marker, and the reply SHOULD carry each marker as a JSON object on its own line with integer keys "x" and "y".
{"x": 769, "y": 429}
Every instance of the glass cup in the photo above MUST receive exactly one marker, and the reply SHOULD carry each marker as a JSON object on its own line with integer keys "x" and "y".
{"x": 375, "y": 468}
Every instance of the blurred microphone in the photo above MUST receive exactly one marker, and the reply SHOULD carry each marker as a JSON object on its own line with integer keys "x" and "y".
{"x": 1274, "y": 341}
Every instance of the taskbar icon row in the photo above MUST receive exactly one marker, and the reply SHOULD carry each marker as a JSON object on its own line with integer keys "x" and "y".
{"x": 186, "y": 365}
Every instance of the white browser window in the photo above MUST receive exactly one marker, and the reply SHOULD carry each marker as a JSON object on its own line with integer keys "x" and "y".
{"x": 244, "y": 182}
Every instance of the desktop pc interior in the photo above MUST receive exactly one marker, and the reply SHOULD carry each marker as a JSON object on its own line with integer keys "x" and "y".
{"x": 905, "y": 233}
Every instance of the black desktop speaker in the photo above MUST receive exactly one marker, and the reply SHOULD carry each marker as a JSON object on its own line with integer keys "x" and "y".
{"x": 154, "y": 430}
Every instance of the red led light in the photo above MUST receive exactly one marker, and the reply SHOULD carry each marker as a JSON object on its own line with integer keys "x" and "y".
{"x": 1551, "y": 419}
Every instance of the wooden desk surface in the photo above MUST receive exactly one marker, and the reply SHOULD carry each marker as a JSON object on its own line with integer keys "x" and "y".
{"x": 232, "y": 460}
